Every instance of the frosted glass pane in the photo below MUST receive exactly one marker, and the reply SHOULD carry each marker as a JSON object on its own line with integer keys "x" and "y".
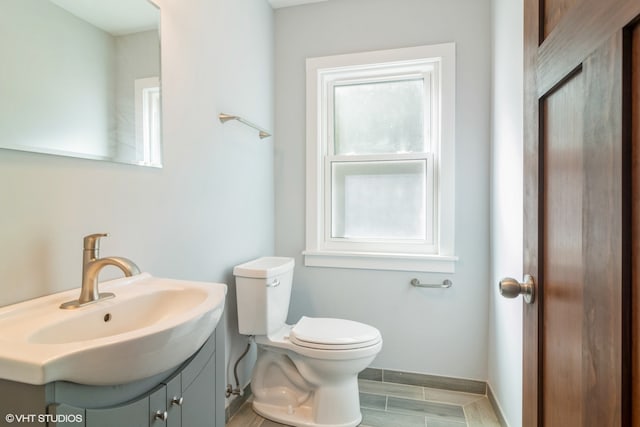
{"x": 382, "y": 117}
{"x": 379, "y": 200}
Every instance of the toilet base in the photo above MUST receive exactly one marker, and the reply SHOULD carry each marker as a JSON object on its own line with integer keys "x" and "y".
{"x": 300, "y": 416}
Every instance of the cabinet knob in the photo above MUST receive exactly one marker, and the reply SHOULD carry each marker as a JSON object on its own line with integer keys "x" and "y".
{"x": 178, "y": 401}
{"x": 161, "y": 415}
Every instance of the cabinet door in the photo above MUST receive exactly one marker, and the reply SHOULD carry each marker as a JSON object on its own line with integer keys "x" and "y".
{"x": 135, "y": 414}
{"x": 199, "y": 407}
{"x": 174, "y": 402}
{"x": 66, "y": 416}
{"x": 157, "y": 408}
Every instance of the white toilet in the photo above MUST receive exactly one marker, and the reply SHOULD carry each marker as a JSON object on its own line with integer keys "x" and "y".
{"x": 306, "y": 374}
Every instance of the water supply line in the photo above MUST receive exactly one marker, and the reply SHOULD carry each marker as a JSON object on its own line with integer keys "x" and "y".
{"x": 238, "y": 391}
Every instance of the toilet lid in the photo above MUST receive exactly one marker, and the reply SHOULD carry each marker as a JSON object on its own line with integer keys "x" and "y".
{"x": 333, "y": 334}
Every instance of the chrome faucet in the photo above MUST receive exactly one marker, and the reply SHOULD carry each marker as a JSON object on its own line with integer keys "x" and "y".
{"x": 91, "y": 267}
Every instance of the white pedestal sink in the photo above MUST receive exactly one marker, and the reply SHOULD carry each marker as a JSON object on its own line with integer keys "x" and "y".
{"x": 152, "y": 325}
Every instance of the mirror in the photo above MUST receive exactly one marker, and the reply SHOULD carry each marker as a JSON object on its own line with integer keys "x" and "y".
{"x": 80, "y": 78}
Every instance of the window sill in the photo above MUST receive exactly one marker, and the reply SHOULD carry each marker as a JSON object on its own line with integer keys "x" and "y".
{"x": 381, "y": 261}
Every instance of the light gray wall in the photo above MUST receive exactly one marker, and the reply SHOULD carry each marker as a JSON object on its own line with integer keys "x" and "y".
{"x": 442, "y": 332}
{"x": 209, "y": 208}
{"x": 505, "y": 343}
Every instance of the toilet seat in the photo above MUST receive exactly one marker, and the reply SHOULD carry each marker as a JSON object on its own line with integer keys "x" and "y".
{"x": 333, "y": 334}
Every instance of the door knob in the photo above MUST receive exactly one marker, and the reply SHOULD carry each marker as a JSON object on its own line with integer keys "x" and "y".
{"x": 511, "y": 288}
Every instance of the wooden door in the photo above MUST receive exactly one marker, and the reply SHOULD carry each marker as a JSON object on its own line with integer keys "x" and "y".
{"x": 635, "y": 226}
{"x": 579, "y": 116}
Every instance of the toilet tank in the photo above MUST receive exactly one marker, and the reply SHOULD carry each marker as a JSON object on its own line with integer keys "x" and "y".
{"x": 263, "y": 291}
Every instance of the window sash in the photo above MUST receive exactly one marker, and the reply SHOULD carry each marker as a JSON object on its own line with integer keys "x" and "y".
{"x": 427, "y": 245}
{"x": 429, "y": 89}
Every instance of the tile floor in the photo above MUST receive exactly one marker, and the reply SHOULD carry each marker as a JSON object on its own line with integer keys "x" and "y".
{"x": 386, "y": 404}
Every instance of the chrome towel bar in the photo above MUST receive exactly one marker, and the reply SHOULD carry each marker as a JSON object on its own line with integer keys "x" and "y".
{"x": 226, "y": 117}
{"x": 445, "y": 284}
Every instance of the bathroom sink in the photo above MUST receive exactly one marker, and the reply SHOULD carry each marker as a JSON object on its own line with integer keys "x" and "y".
{"x": 151, "y": 326}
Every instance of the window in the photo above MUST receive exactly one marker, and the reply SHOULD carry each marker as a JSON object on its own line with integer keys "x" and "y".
{"x": 380, "y": 160}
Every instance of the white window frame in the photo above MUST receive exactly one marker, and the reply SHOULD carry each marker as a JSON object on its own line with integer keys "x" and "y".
{"x": 437, "y": 62}
{"x": 147, "y": 118}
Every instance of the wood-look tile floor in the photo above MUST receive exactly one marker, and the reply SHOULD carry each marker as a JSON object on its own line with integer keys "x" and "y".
{"x": 386, "y": 404}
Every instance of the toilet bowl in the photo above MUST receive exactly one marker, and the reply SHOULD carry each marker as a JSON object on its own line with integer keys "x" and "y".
{"x": 306, "y": 374}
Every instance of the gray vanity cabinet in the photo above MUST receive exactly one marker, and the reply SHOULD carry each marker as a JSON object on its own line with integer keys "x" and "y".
{"x": 191, "y": 396}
